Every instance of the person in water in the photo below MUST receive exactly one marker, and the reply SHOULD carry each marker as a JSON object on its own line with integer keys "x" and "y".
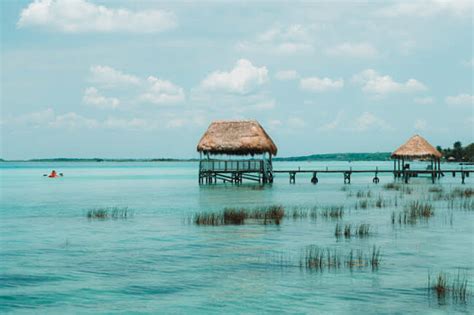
{"x": 53, "y": 174}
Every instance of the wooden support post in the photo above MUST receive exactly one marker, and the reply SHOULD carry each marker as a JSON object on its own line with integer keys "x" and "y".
{"x": 463, "y": 176}
{"x": 347, "y": 177}
{"x": 292, "y": 177}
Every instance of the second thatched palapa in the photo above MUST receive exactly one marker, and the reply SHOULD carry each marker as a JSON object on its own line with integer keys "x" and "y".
{"x": 236, "y": 137}
{"x": 416, "y": 148}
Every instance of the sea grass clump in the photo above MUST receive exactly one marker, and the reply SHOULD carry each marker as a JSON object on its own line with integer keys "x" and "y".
{"x": 109, "y": 213}
{"x": 238, "y": 216}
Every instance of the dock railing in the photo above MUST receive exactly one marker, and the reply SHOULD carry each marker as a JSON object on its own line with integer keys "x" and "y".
{"x": 231, "y": 165}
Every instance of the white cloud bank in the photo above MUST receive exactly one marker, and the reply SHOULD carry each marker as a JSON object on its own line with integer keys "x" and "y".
{"x": 460, "y": 99}
{"x": 375, "y": 83}
{"x": 151, "y": 90}
{"x": 242, "y": 79}
{"x": 94, "y": 98}
{"x": 289, "y": 40}
{"x": 427, "y": 8}
{"x": 80, "y": 16}
{"x": 355, "y": 50}
{"x": 368, "y": 121}
{"x": 162, "y": 92}
{"x": 110, "y": 77}
{"x": 315, "y": 84}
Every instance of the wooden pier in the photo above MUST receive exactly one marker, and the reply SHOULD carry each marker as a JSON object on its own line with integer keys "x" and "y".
{"x": 255, "y": 170}
{"x": 405, "y": 175}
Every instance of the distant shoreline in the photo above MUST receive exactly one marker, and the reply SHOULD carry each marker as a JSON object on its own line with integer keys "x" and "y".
{"x": 377, "y": 156}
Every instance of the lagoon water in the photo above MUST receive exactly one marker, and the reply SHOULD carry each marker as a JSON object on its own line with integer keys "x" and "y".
{"x": 53, "y": 260}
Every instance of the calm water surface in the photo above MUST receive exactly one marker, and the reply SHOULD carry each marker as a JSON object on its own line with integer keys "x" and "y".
{"x": 54, "y": 260}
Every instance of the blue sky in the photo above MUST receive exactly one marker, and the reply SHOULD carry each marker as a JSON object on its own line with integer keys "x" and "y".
{"x": 144, "y": 79}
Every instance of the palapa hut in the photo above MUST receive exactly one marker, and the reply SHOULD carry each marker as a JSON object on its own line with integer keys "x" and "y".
{"x": 416, "y": 148}
{"x": 232, "y": 139}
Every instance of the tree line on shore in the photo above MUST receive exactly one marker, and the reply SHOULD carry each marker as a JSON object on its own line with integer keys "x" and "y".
{"x": 458, "y": 153}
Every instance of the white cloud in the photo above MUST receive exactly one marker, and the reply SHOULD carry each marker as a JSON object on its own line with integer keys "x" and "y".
{"x": 427, "y": 8}
{"x": 334, "y": 124}
{"x": 368, "y": 121}
{"x": 274, "y": 123}
{"x": 285, "y": 75}
{"x": 79, "y": 16}
{"x": 133, "y": 124}
{"x": 162, "y": 92}
{"x": 94, "y": 98}
{"x": 289, "y": 40}
{"x": 424, "y": 100}
{"x": 421, "y": 125}
{"x": 296, "y": 122}
{"x": 469, "y": 63}
{"x": 460, "y": 99}
{"x": 48, "y": 118}
{"x": 242, "y": 79}
{"x": 375, "y": 83}
{"x": 72, "y": 121}
{"x": 176, "y": 123}
{"x": 356, "y": 50}
{"x": 316, "y": 84}
{"x": 264, "y": 105}
{"x": 110, "y": 77}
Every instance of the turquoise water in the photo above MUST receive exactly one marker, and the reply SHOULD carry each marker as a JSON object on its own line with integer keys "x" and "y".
{"x": 54, "y": 260}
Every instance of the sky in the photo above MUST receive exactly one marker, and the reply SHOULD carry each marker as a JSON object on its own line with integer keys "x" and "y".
{"x": 144, "y": 79}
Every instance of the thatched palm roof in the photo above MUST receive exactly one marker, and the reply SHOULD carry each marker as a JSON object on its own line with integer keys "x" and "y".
{"x": 416, "y": 147}
{"x": 239, "y": 137}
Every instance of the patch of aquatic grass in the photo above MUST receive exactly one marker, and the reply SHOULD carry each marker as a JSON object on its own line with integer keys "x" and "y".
{"x": 237, "y": 216}
{"x": 364, "y": 194}
{"x": 413, "y": 212}
{"x": 436, "y": 189}
{"x": 333, "y": 212}
{"x": 456, "y": 288}
{"x": 319, "y": 259}
{"x": 361, "y": 230}
{"x": 109, "y": 213}
{"x": 463, "y": 204}
{"x": 403, "y": 188}
{"x": 462, "y": 192}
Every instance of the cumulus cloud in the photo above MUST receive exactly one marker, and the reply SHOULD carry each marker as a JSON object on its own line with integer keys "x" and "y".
{"x": 469, "y": 63}
{"x": 368, "y": 121}
{"x": 355, "y": 50}
{"x": 132, "y": 124}
{"x": 375, "y": 83}
{"x": 315, "y": 84}
{"x": 150, "y": 90}
{"x": 285, "y": 75}
{"x": 296, "y": 123}
{"x": 94, "y": 98}
{"x": 162, "y": 92}
{"x": 424, "y": 100}
{"x": 281, "y": 40}
{"x": 427, "y": 8}
{"x": 80, "y": 16}
{"x": 110, "y": 77}
{"x": 50, "y": 119}
{"x": 334, "y": 124}
{"x": 460, "y": 99}
{"x": 420, "y": 125}
{"x": 242, "y": 79}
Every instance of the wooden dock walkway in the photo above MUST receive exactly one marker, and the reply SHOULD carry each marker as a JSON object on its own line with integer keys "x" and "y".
{"x": 405, "y": 174}
{"x": 236, "y": 174}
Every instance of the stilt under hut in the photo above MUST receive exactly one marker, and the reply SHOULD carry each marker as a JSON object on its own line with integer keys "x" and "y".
{"x": 244, "y": 151}
{"x": 416, "y": 148}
